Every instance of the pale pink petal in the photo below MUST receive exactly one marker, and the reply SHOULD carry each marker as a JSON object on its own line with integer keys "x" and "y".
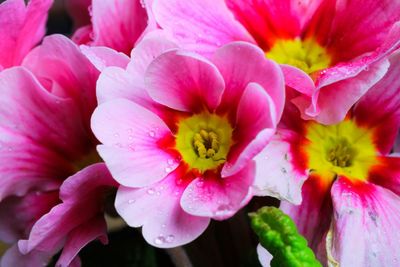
{"x": 83, "y": 197}
{"x": 264, "y": 256}
{"x": 275, "y": 174}
{"x": 256, "y": 122}
{"x": 114, "y": 83}
{"x": 118, "y": 23}
{"x": 102, "y": 57}
{"x": 119, "y": 83}
{"x": 25, "y": 212}
{"x": 199, "y": 26}
{"x": 154, "y": 44}
{"x": 21, "y": 28}
{"x": 130, "y": 135}
{"x": 157, "y": 208}
{"x": 313, "y": 215}
{"x": 13, "y": 257}
{"x": 80, "y": 237}
{"x": 365, "y": 225}
{"x": 71, "y": 74}
{"x": 379, "y": 108}
{"x": 41, "y": 134}
{"x": 231, "y": 60}
{"x": 219, "y": 198}
{"x": 184, "y": 81}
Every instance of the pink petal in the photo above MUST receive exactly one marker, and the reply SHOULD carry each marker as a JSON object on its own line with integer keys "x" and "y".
{"x": 199, "y": 26}
{"x": 275, "y": 174}
{"x": 386, "y": 173}
{"x": 346, "y": 92}
{"x": 80, "y": 237}
{"x": 153, "y": 45}
{"x": 384, "y": 100}
{"x": 370, "y": 23}
{"x": 71, "y": 74}
{"x": 118, "y": 23}
{"x": 264, "y": 256}
{"x": 40, "y": 134}
{"x": 298, "y": 79}
{"x": 347, "y": 82}
{"x": 233, "y": 61}
{"x": 365, "y": 225}
{"x": 130, "y": 134}
{"x": 216, "y": 197}
{"x": 102, "y": 57}
{"x": 313, "y": 215}
{"x": 21, "y": 27}
{"x": 119, "y": 83}
{"x": 13, "y": 257}
{"x": 271, "y": 19}
{"x": 25, "y": 212}
{"x": 157, "y": 208}
{"x": 184, "y": 81}
{"x": 256, "y": 121}
{"x": 83, "y": 200}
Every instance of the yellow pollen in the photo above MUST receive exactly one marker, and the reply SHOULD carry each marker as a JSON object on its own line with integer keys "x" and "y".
{"x": 342, "y": 149}
{"x": 306, "y": 55}
{"x": 206, "y": 144}
{"x": 204, "y": 140}
{"x": 341, "y": 154}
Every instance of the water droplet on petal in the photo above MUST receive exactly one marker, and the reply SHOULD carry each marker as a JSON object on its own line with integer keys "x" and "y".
{"x": 152, "y": 134}
{"x": 170, "y": 238}
{"x": 168, "y": 169}
{"x": 131, "y": 201}
{"x": 150, "y": 191}
{"x": 159, "y": 240}
{"x": 200, "y": 182}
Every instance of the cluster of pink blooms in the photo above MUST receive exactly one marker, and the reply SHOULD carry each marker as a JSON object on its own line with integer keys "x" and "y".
{"x": 187, "y": 109}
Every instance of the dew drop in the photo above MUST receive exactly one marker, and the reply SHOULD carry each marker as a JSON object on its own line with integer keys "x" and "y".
{"x": 168, "y": 169}
{"x": 150, "y": 191}
{"x": 200, "y": 183}
{"x": 170, "y": 238}
{"x": 152, "y": 134}
{"x": 116, "y": 135}
{"x": 131, "y": 201}
{"x": 159, "y": 240}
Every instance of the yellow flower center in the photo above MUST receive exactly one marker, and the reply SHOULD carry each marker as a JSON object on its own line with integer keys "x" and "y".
{"x": 342, "y": 149}
{"x": 306, "y": 55}
{"x": 204, "y": 140}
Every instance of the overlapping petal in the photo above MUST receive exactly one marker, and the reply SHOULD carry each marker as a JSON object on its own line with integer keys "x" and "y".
{"x": 365, "y": 224}
{"x": 21, "y": 28}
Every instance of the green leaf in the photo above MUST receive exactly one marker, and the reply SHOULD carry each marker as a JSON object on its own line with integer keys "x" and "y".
{"x": 278, "y": 234}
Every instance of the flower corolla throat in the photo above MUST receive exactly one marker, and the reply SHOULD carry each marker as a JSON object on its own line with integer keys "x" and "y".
{"x": 204, "y": 140}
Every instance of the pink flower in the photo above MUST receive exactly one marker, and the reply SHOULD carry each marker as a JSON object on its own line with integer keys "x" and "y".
{"x": 47, "y": 151}
{"x": 21, "y": 28}
{"x": 181, "y": 141}
{"x": 350, "y": 211}
{"x": 117, "y": 24}
{"x": 328, "y": 49}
